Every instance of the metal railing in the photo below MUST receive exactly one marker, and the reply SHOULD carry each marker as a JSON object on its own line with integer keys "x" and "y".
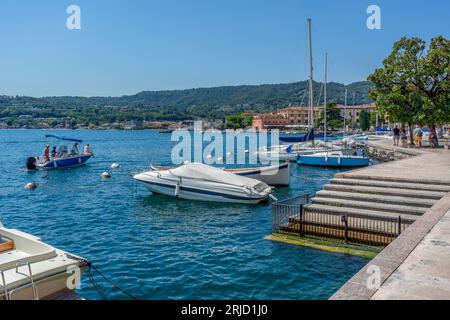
{"x": 285, "y": 210}
{"x": 291, "y": 216}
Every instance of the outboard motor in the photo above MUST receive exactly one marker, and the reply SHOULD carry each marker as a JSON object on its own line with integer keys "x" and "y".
{"x": 31, "y": 163}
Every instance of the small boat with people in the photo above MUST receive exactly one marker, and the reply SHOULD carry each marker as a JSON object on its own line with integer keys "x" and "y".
{"x": 32, "y": 270}
{"x": 276, "y": 175}
{"x": 197, "y": 181}
{"x": 60, "y": 157}
{"x": 335, "y": 159}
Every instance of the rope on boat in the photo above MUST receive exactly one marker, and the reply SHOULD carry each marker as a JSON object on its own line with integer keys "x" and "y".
{"x": 98, "y": 288}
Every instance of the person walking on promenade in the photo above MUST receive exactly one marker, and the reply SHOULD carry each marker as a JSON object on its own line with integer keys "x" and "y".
{"x": 396, "y": 136}
{"x": 432, "y": 139}
{"x": 418, "y": 133}
{"x": 404, "y": 138}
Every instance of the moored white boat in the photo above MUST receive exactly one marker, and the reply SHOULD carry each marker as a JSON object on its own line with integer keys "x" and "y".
{"x": 196, "y": 181}
{"x": 31, "y": 269}
{"x": 276, "y": 175}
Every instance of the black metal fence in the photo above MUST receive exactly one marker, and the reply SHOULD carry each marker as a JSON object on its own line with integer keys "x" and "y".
{"x": 285, "y": 211}
{"x": 291, "y": 216}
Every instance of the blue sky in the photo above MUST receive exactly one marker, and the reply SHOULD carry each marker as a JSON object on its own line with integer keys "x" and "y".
{"x": 128, "y": 46}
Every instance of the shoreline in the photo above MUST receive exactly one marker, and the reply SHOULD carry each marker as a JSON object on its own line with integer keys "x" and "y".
{"x": 410, "y": 267}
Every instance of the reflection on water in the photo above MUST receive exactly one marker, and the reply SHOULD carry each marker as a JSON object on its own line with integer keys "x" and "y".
{"x": 159, "y": 247}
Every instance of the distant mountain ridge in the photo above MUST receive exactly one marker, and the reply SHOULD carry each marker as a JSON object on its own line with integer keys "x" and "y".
{"x": 212, "y": 103}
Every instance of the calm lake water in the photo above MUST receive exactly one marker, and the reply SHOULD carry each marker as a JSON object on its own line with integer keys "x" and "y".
{"x": 159, "y": 247}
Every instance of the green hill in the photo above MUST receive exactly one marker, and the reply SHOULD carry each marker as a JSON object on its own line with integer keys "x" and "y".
{"x": 212, "y": 103}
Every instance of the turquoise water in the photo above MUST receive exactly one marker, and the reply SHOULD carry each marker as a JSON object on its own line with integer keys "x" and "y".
{"x": 159, "y": 247}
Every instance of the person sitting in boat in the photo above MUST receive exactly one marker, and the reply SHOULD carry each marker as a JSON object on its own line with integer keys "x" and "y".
{"x": 54, "y": 153}
{"x": 47, "y": 152}
{"x": 62, "y": 151}
{"x": 87, "y": 149}
{"x": 74, "y": 150}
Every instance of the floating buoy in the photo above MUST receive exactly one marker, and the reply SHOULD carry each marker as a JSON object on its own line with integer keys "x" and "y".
{"x": 209, "y": 157}
{"x": 31, "y": 186}
{"x": 186, "y": 162}
{"x": 229, "y": 153}
{"x": 219, "y": 159}
{"x": 115, "y": 165}
{"x": 106, "y": 175}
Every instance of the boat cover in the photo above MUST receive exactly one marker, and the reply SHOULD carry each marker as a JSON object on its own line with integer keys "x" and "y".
{"x": 205, "y": 172}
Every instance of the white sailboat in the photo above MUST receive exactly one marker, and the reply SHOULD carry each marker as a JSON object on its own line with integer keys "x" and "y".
{"x": 336, "y": 159}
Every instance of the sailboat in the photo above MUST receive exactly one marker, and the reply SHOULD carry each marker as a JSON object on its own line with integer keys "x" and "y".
{"x": 336, "y": 159}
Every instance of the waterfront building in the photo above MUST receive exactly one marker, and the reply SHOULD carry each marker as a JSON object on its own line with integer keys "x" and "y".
{"x": 297, "y": 116}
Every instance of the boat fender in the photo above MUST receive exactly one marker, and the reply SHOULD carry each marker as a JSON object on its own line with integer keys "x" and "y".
{"x": 106, "y": 175}
{"x": 177, "y": 188}
{"x": 115, "y": 165}
{"x": 31, "y": 186}
{"x": 31, "y": 163}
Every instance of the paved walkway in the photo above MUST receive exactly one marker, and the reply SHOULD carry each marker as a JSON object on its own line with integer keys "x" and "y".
{"x": 417, "y": 264}
{"x": 425, "y": 274}
{"x": 429, "y": 165}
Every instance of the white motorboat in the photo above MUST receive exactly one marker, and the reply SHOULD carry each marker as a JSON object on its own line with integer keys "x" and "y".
{"x": 276, "y": 176}
{"x": 31, "y": 269}
{"x": 196, "y": 181}
{"x": 291, "y": 152}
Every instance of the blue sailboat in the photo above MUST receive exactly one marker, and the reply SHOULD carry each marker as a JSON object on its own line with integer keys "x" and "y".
{"x": 296, "y": 139}
{"x": 335, "y": 159}
{"x": 63, "y": 159}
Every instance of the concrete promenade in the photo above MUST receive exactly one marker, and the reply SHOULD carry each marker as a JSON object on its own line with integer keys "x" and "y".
{"x": 416, "y": 265}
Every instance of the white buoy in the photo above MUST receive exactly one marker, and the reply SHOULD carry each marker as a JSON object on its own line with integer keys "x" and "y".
{"x": 106, "y": 175}
{"x": 229, "y": 153}
{"x": 219, "y": 159}
{"x": 31, "y": 186}
{"x": 209, "y": 157}
{"x": 115, "y": 165}
{"x": 186, "y": 162}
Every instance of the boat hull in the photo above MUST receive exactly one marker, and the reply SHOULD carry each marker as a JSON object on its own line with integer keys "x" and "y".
{"x": 65, "y": 163}
{"x": 336, "y": 162}
{"x": 199, "y": 190}
{"x": 276, "y": 176}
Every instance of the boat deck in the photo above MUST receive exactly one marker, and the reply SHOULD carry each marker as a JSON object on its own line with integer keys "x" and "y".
{"x": 64, "y": 295}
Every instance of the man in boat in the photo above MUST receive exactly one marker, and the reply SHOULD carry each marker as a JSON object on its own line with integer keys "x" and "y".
{"x": 47, "y": 152}
{"x": 87, "y": 149}
{"x": 54, "y": 153}
{"x": 74, "y": 150}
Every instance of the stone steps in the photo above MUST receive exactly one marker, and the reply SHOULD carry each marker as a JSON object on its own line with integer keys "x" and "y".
{"x": 319, "y": 208}
{"x": 374, "y": 206}
{"x": 391, "y": 179}
{"x": 389, "y": 184}
{"x": 405, "y": 201}
{"x": 435, "y": 195}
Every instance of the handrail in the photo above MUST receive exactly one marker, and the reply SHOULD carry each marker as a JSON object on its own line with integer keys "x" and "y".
{"x": 20, "y": 263}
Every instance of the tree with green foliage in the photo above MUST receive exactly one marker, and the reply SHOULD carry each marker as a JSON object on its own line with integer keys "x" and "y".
{"x": 413, "y": 85}
{"x": 238, "y": 121}
{"x": 364, "y": 120}
{"x": 334, "y": 118}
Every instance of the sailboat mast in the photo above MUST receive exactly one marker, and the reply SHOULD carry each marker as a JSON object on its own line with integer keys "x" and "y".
{"x": 311, "y": 98}
{"x": 345, "y": 113}
{"x": 325, "y": 99}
